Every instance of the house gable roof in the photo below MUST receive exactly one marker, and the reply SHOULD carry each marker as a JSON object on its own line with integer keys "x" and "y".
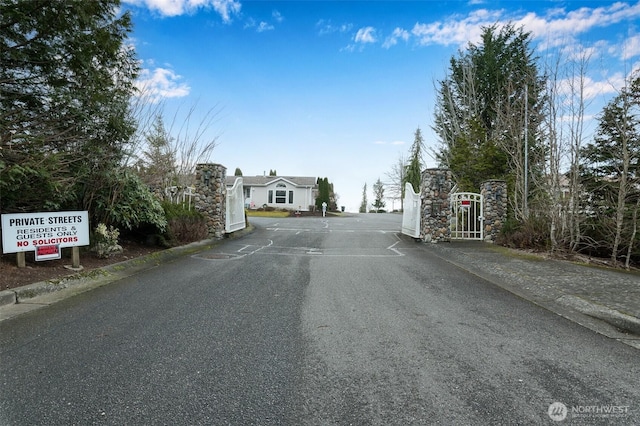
{"x": 297, "y": 181}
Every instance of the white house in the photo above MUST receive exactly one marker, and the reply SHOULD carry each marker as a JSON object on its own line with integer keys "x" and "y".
{"x": 285, "y": 192}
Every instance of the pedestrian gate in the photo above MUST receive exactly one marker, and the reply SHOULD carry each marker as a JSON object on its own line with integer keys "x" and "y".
{"x": 466, "y": 216}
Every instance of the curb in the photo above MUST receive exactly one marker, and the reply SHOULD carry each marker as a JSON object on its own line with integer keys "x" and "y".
{"x": 624, "y": 322}
{"x": 7, "y": 297}
{"x": 111, "y": 272}
{"x": 564, "y": 305}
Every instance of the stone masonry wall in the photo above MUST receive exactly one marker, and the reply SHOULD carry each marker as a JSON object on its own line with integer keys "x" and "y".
{"x": 210, "y": 199}
{"x": 436, "y": 210}
{"x": 494, "y": 193}
{"x": 435, "y": 193}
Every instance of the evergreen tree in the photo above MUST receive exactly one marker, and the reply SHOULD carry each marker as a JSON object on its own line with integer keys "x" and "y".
{"x": 480, "y": 111}
{"x": 378, "y": 192}
{"x": 65, "y": 84}
{"x": 363, "y": 204}
{"x": 159, "y": 161}
{"x": 238, "y": 172}
{"x": 324, "y": 193}
{"x": 413, "y": 174}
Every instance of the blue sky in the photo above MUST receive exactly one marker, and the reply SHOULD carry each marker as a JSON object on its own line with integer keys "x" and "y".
{"x": 337, "y": 89}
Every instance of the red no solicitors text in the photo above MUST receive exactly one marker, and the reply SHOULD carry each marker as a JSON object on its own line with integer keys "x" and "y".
{"x": 48, "y": 241}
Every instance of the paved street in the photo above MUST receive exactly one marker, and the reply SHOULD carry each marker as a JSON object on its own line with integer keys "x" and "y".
{"x": 309, "y": 321}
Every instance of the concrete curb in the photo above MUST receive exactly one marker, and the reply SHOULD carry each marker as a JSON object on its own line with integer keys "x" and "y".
{"x": 7, "y": 297}
{"x": 624, "y": 322}
{"x": 110, "y": 273}
{"x": 617, "y": 324}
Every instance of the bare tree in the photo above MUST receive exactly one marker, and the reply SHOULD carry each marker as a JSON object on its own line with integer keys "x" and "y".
{"x": 634, "y": 232}
{"x": 555, "y": 139}
{"x": 576, "y": 105}
{"x": 612, "y": 169}
{"x": 193, "y": 145}
{"x": 511, "y": 130}
{"x": 625, "y": 131}
{"x": 397, "y": 177}
{"x": 186, "y": 143}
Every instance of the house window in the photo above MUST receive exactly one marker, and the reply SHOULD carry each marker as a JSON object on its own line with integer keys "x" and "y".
{"x": 281, "y": 193}
{"x": 290, "y": 197}
{"x": 270, "y": 196}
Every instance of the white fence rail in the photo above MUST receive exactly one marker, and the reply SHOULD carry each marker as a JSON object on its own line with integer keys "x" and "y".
{"x": 178, "y": 194}
{"x": 412, "y": 205}
{"x": 235, "y": 208}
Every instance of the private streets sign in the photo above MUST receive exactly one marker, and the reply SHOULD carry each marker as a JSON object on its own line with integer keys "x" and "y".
{"x": 44, "y": 233}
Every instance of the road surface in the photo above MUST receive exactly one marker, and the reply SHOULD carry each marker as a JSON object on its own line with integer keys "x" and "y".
{"x": 316, "y": 321}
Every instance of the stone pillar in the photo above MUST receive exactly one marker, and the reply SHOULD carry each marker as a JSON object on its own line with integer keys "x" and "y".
{"x": 494, "y": 193}
{"x": 211, "y": 195}
{"x": 436, "y": 209}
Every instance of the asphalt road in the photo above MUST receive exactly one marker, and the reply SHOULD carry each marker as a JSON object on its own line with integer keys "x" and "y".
{"x": 309, "y": 321}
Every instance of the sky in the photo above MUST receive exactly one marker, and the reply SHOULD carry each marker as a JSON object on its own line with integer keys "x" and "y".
{"x": 337, "y": 89}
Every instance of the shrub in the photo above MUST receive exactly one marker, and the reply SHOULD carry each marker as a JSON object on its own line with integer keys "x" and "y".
{"x": 127, "y": 203}
{"x": 184, "y": 225}
{"x": 532, "y": 233}
{"x": 106, "y": 241}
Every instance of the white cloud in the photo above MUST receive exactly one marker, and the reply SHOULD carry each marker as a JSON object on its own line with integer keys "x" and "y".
{"x": 593, "y": 88}
{"x": 249, "y": 23}
{"x": 398, "y": 34}
{"x": 277, "y": 16}
{"x": 224, "y": 8}
{"x": 630, "y": 48}
{"x": 458, "y": 32}
{"x": 159, "y": 84}
{"x": 557, "y": 27}
{"x": 608, "y": 86}
{"x": 366, "y": 35}
{"x": 575, "y": 51}
{"x": 263, "y": 26}
{"x": 327, "y": 27}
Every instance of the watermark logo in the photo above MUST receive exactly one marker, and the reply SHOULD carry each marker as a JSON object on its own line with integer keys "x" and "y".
{"x": 557, "y": 411}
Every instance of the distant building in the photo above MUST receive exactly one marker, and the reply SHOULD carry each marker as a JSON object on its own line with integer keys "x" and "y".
{"x": 284, "y": 192}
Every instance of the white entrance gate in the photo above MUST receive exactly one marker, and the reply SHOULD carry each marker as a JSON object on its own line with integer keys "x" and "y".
{"x": 235, "y": 208}
{"x": 412, "y": 210}
{"x": 466, "y": 216}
